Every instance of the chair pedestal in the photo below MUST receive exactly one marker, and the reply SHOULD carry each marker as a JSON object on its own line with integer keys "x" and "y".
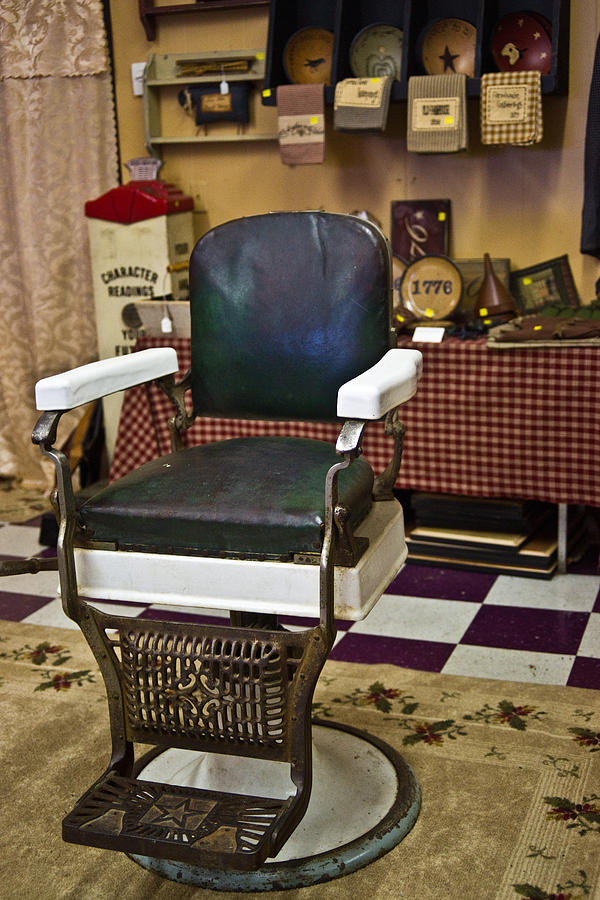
{"x": 365, "y": 799}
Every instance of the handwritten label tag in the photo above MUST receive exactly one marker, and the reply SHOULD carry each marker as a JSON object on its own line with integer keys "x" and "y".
{"x": 507, "y": 103}
{"x": 215, "y": 103}
{"x": 359, "y": 92}
{"x": 434, "y": 113}
{"x": 425, "y": 334}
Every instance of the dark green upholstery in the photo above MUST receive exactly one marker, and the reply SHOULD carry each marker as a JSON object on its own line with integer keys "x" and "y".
{"x": 255, "y": 496}
{"x": 285, "y": 308}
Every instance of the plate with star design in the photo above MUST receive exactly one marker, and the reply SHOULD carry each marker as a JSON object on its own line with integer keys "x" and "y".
{"x": 448, "y": 47}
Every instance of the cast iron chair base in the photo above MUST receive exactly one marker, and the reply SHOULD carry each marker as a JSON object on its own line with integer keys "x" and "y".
{"x": 365, "y": 801}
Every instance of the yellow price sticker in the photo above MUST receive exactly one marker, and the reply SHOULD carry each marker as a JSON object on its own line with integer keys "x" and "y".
{"x": 260, "y": 55}
{"x": 429, "y": 313}
{"x": 399, "y": 317}
{"x": 483, "y": 311}
{"x": 487, "y": 321}
{"x": 537, "y": 327}
{"x": 266, "y": 92}
{"x": 375, "y": 80}
{"x": 527, "y": 280}
{"x": 314, "y": 120}
{"x": 441, "y": 217}
{"x": 449, "y": 120}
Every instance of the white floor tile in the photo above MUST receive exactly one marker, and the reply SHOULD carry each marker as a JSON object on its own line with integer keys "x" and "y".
{"x": 44, "y": 584}
{"x": 590, "y": 642}
{"x": 51, "y": 615}
{"x": 509, "y": 665}
{"x": 573, "y": 593}
{"x": 419, "y": 618}
{"x": 20, "y": 540}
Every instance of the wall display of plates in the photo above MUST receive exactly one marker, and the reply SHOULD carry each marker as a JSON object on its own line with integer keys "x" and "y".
{"x": 419, "y": 37}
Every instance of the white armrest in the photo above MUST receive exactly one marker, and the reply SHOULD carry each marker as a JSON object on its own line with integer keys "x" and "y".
{"x": 387, "y": 384}
{"x": 97, "y": 379}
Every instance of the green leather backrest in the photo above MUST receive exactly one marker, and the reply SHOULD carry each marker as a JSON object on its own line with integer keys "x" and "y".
{"x": 285, "y": 307}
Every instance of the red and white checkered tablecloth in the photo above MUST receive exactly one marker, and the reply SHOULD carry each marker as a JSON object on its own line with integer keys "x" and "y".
{"x": 487, "y": 423}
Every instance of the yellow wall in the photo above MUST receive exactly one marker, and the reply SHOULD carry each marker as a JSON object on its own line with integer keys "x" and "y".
{"x": 520, "y": 203}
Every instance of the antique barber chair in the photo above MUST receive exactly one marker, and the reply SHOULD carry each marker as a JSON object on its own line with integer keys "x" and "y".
{"x": 290, "y": 320}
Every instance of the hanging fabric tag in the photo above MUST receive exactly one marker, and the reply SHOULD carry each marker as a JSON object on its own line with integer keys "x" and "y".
{"x": 301, "y": 123}
{"x": 362, "y": 104}
{"x": 437, "y": 114}
{"x": 511, "y": 108}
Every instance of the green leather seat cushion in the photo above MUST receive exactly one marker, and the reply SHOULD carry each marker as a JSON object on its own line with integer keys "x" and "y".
{"x": 262, "y": 495}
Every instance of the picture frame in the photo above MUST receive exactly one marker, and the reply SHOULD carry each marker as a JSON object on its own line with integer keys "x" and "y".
{"x": 549, "y": 282}
{"x": 420, "y": 228}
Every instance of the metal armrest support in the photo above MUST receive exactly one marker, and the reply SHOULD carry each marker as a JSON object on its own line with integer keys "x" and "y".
{"x": 378, "y": 392}
{"x": 383, "y": 488}
{"x": 182, "y": 420}
{"x": 44, "y": 434}
{"x": 338, "y": 538}
{"x": 58, "y": 393}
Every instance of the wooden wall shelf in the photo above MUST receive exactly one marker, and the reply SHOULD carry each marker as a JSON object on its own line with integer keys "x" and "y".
{"x": 168, "y": 70}
{"x": 149, "y": 12}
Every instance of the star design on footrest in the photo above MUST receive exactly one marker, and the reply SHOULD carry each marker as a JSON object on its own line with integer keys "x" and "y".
{"x": 171, "y": 811}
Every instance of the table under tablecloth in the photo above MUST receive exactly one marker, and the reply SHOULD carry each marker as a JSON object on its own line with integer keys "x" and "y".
{"x": 521, "y": 423}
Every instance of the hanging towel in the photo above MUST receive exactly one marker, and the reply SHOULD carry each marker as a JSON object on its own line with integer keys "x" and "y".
{"x": 511, "y": 108}
{"x": 437, "y": 114}
{"x": 362, "y": 104}
{"x": 301, "y": 123}
{"x": 590, "y": 219}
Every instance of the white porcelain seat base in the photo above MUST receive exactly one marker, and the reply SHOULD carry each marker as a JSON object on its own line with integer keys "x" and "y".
{"x": 278, "y": 588}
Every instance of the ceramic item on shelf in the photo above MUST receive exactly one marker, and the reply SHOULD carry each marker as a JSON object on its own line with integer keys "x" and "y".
{"x": 431, "y": 287}
{"x": 495, "y": 303}
{"x": 448, "y": 46}
{"x": 376, "y": 51}
{"x": 307, "y": 56}
{"x": 522, "y": 42}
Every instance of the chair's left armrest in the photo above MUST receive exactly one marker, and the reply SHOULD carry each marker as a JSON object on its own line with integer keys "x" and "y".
{"x": 383, "y": 387}
{"x": 78, "y": 386}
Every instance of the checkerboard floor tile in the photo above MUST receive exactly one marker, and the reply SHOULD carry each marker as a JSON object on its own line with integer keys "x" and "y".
{"x": 437, "y": 620}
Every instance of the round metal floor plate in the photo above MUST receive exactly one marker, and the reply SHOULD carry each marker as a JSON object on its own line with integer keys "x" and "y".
{"x": 365, "y": 799}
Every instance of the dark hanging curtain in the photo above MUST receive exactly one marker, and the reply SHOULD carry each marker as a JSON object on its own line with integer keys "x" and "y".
{"x": 590, "y": 224}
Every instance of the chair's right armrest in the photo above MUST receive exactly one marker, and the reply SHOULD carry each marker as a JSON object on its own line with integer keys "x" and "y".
{"x": 391, "y": 381}
{"x": 106, "y": 376}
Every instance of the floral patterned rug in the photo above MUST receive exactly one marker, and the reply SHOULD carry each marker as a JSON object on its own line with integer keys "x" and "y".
{"x": 19, "y": 504}
{"x": 509, "y": 772}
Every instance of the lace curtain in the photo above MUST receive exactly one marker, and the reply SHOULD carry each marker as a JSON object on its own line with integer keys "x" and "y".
{"x": 58, "y": 150}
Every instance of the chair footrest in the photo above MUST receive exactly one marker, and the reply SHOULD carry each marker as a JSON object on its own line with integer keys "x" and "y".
{"x": 186, "y": 824}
